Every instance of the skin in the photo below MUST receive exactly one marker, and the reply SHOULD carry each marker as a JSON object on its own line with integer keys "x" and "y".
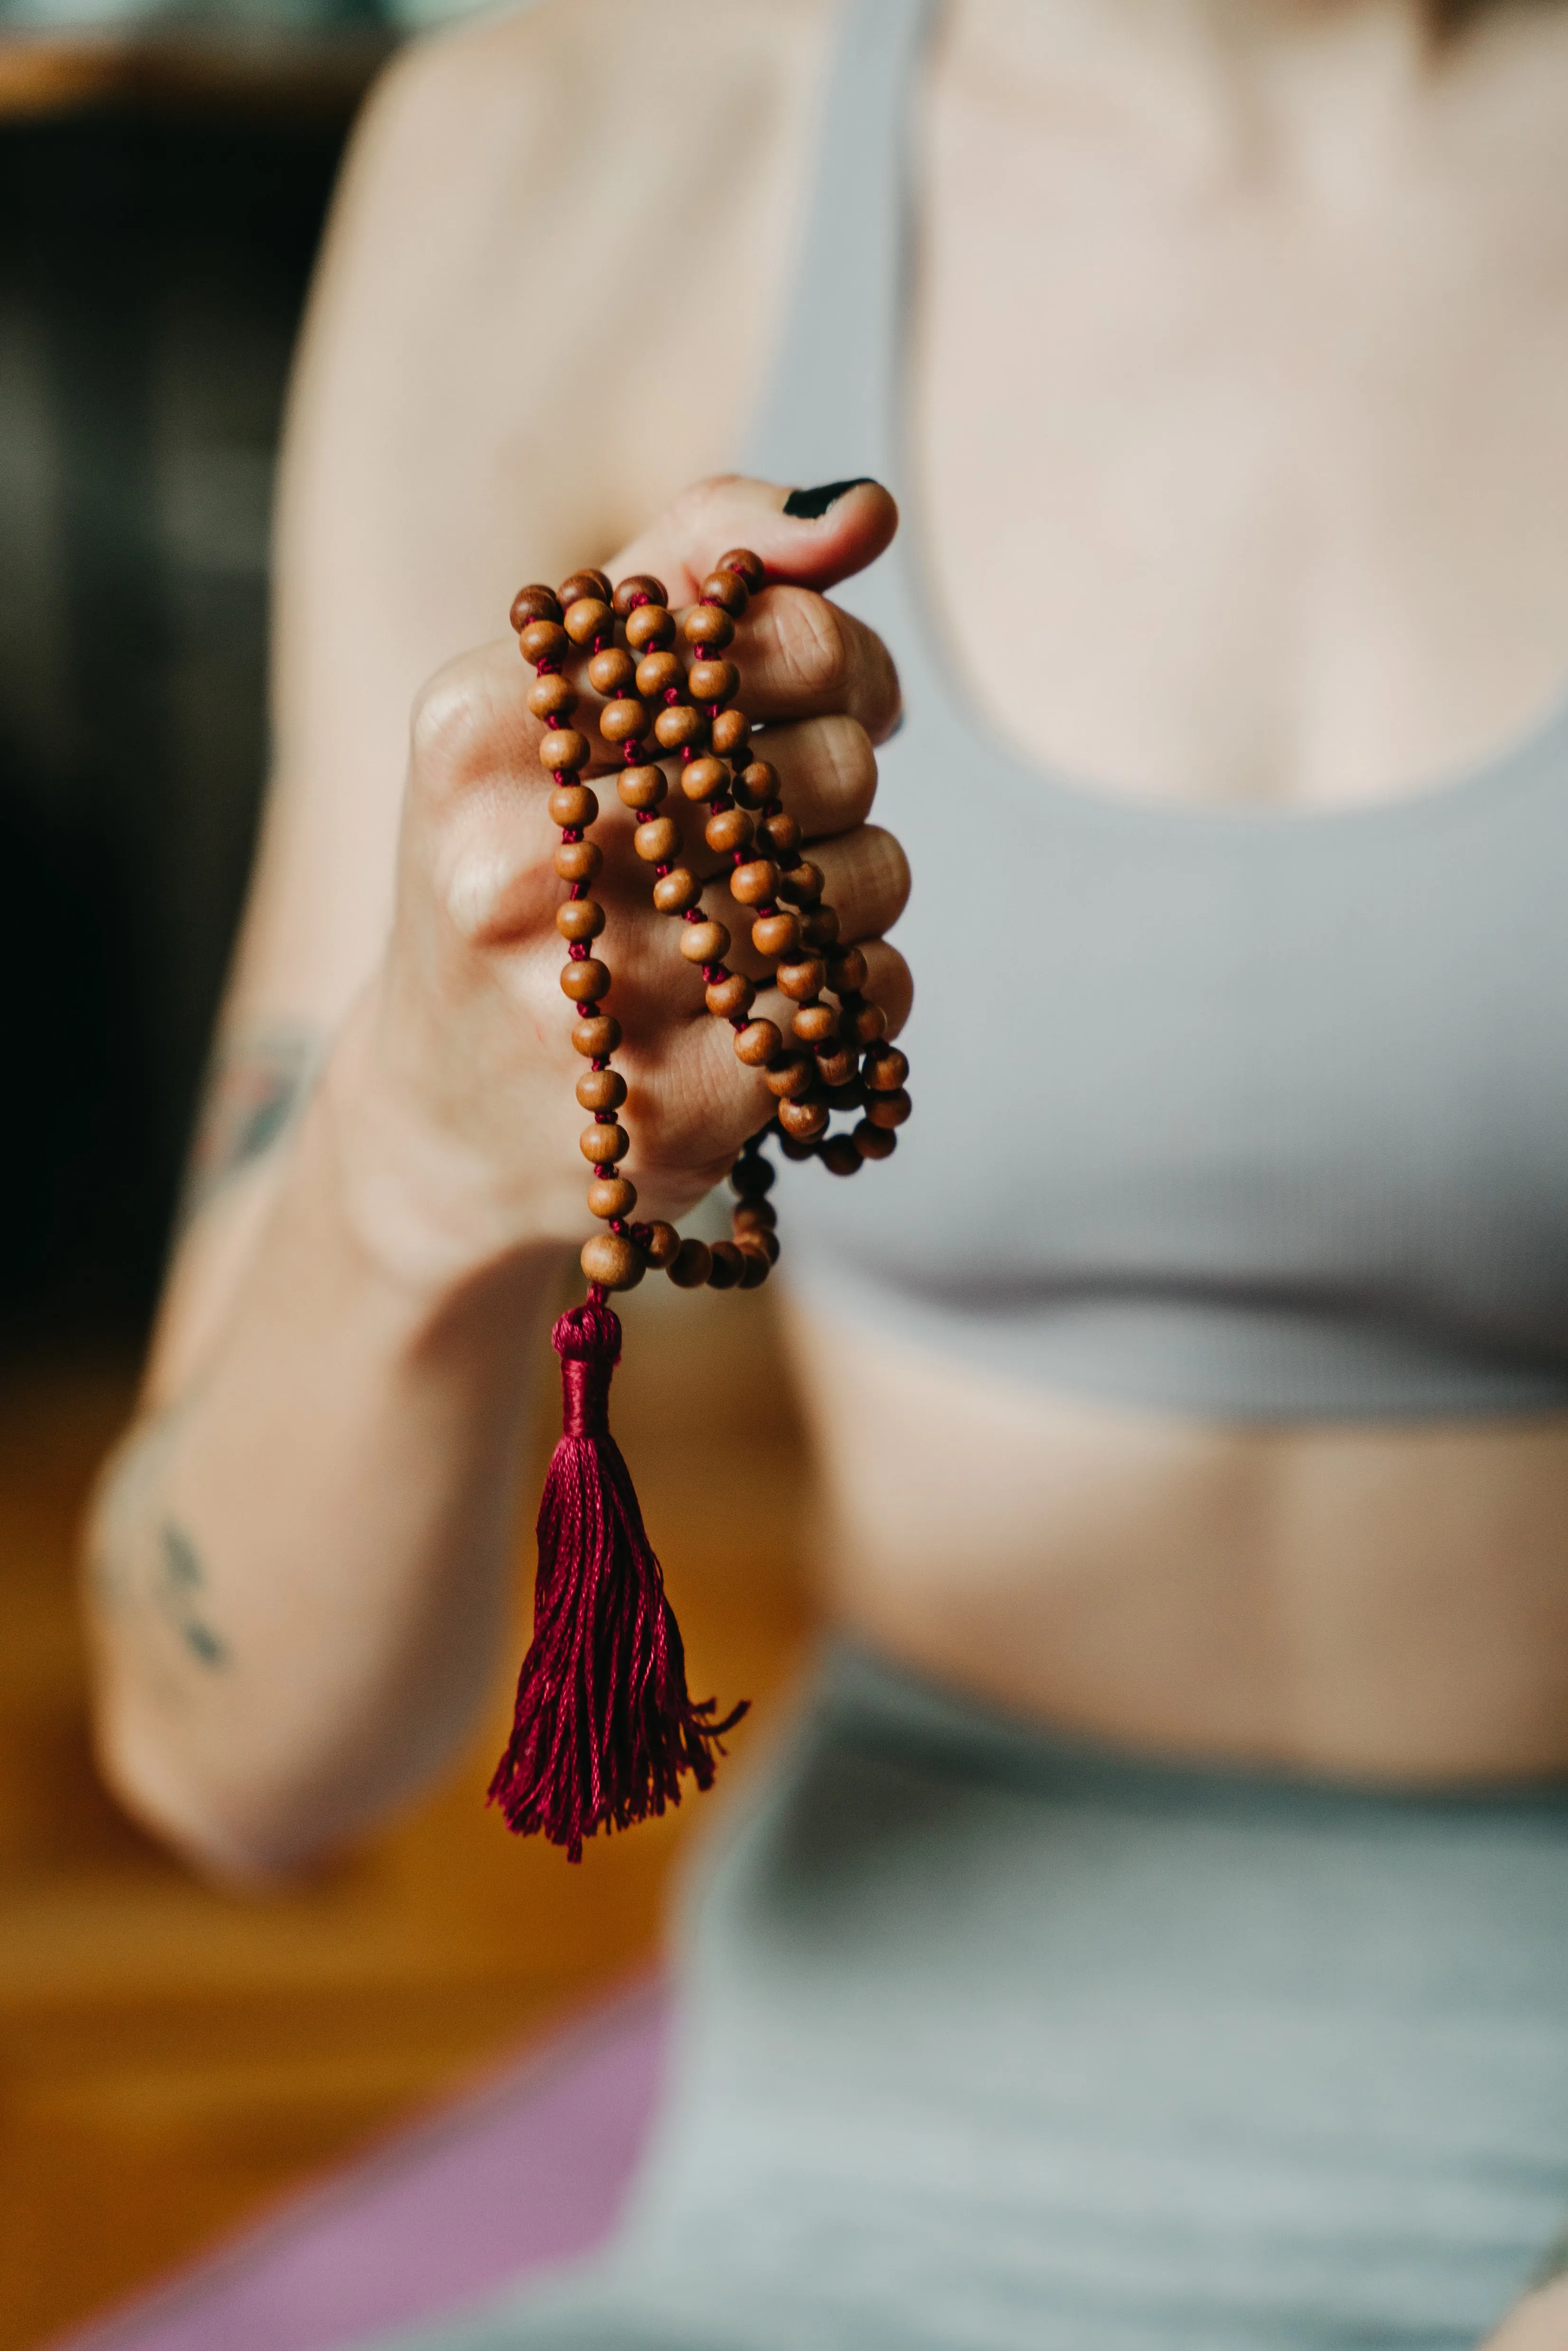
{"x": 1262, "y": 521}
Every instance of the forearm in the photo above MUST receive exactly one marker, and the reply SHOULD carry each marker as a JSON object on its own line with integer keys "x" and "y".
{"x": 299, "y": 1564}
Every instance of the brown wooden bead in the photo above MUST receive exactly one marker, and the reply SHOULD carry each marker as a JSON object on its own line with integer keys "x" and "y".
{"x": 816, "y": 1024}
{"x": 611, "y": 1196}
{"x": 656, "y": 673}
{"x": 658, "y": 840}
{"x": 728, "y": 591}
{"x": 578, "y": 861}
{"x": 689, "y": 1268}
{"x": 708, "y": 625}
{"x": 846, "y": 971}
{"x": 584, "y": 583}
{"x": 679, "y": 725}
{"x": 754, "y": 1217}
{"x": 782, "y": 835}
{"x": 602, "y": 1089}
{"x": 713, "y": 681}
{"x": 765, "y": 1244}
{"x": 801, "y": 886}
{"x": 564, "y": 747}
{"x": 641, "y": 787}
{"x": 726, "y": 1266}
{"x": 584, "y": 982}
{"x": 850, "y": 1096}
{"x": 625, "y": 720}
{"x": 704, "y": 780}
{"x": 613, "y": 1261}
{"x": 789, "y": 1076}
{"x": 595, "y": 1035}
{"x": 650, "y": 625}
{"x": 752, "y": 1176}
{"x": 612, "y": 671}
{"x": 755, "y": 882}
{"x": 585, "y": 618}
{"x": 793, "y": 1149}
{"x": 603, "y": 1143}
{"x": 744, "y": 566}
{"x": 535, "y": 603}
{"x": 885, "y": 1070}
{"x": 640, "y": 588}
{"x": 801, "y": 978}
{"x": 580, "y": 920}
{"x": 731, "y": 733}
{"x": 864, "y": 1021}
{"x": 552, "y": 696}
{"x": 889, "y": 1110}
{"x": 728, "y": 830}
{"x": 732, "y": 997}
{"x": 544, "y": 641}
{"x": 661, "y": 1245}
{"x": 755, "y": 1264}
{"x": 836, "y": 1066}
{"x": 874, "y": 1142}
{"x": 675, "y": 891}
{"x": 757, "y": 1043}
{"x": 571, "y": 806}
{"x": 802, "y": 1119}
{"x": 756, "y": 785}
{"x": 704, "y": 942}
{"x": 820, "y": 928}
{"x": 839, "y": 1155}
{"x": 776, "y": 934}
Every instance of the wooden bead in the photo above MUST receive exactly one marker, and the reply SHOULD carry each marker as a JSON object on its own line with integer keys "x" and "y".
{"x": 704, "y": 942}
{"x": 675, "y": 891}
{"x": 815, "y": 1024}
{"x": 596, "y": 1035}
{"x": 755, "y": 1264}
{"x": 864, "y": 1022}
{"x": 885, "y": 1070}
{"x": 713, "y": 681}
{"x": 585, "y": 618}
{"x": 839, "y": 1155}
{"x": 782, "y": 835}
{"x": 641, "y": 787}
{"x": 552, "y": 696}
{"x": 689, "y": 1268}
{"x": 726, "y": 1266}
{"x": 744, "y": 566}
{"x": 704, "y": 780}
{"x": 752, "y": 1176}
{"x": 584, "y": 982}
{"x": 757, "y": 1043}
{"x": 656, "y": 673}
{"x": 580, "y": 920}
{"x": 849, "y": 1096}
{"x": 776, "y": 934}
{"x": 794, "y": 1150}
{"x": 820, "y": 928}
{"x": 801, "y": 884}
{"x": 584, "y": 583}
{"x": 874, "y": 1142}
{"x": 756, "y": 785}
{"x": 563, "y": 749}
{"x": 765, "y": 1243}
{"x": 728, "y": 830}
{"x": 604, "y": 1144}
{"x": 727, "y": 590}
{"x": 640, "y": 588}
{"x": 803, "y": 1120}
{"x": 755, "y": 882}
{"x": 612, "y": 671}
{"x": 789, "y": 1076}
{"x": 801, "y": 978}
{"x": 658, "y": 840}
{"x": 889, "y": 1110}
{"x": 578, "y": 861}
{"x": 731, "y": 733}
{"x": 535, "y": 603}
{"x": 708, "y": 625}
{"x": 836, "y": 1067}
{"x": 679, "y": 725}
{"x": 624, "y": 720}
{"x": 611, "y": 1196}
{"x": 661, "y": 1245}
{"x": 571, "y": 806}
{"x": 612, "y": 1261}
{"x": 732, "y": 997}
{"x": 650, "y": 625}
{"x": 602, "y": 1089}
{"x": 846, "y": 971}
{"x": 544, "y": 641}
{"x": 754, "y": 1217}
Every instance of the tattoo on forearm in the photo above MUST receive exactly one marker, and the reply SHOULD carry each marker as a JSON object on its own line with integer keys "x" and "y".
{"x": 257, "y": 1085}
{"x": 139, "y": 1554}
{"x": 179, "y": 1589}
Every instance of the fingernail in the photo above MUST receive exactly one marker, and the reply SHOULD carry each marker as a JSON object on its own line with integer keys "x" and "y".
{"x": 810, "y": 506}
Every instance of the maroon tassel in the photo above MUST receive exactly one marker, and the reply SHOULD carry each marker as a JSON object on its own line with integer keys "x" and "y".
{"x": 603, "y": 1726}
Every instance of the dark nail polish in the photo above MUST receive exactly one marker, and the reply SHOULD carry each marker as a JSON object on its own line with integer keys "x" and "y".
{"x": 810, "y": 506}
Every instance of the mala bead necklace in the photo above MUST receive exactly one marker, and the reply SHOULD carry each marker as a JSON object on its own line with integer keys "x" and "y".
{"x": 603, "y": 1729}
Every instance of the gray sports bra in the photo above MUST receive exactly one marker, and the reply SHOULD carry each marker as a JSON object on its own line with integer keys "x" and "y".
{"x": 1294, "y": 1086}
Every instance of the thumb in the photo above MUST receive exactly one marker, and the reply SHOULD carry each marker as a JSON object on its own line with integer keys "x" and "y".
{"x": 812, "y": 538}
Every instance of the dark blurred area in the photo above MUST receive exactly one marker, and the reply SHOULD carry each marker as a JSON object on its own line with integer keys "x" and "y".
{"x": 152, "y": 265}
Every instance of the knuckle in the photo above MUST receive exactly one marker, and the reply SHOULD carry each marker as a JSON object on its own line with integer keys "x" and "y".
{"x": 450, "y": 730}
{"x": 850, "y": 765}
{"x": 810, "y": 644}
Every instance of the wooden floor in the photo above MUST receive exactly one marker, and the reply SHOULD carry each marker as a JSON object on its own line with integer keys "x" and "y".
{"x": 172, "y": 2058}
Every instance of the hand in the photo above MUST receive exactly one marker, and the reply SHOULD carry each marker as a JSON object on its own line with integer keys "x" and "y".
{"x": 1539, "y": 2322}
{"x": 453, "y": 1088}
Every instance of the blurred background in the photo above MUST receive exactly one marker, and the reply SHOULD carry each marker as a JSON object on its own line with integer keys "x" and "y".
{"x": 173, "y": 2060}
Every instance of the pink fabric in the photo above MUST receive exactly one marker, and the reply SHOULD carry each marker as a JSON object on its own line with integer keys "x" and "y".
{"x": 531, "y": 2170}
